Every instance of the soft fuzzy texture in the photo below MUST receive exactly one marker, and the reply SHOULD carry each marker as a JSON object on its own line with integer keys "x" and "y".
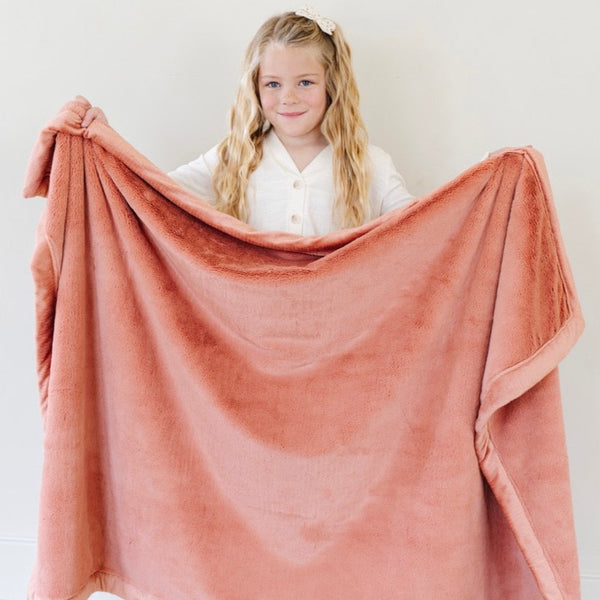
{"x": 232, "y": 414}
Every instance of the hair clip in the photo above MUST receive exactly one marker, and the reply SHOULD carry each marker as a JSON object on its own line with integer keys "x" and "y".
{"x": 326, "y": 25}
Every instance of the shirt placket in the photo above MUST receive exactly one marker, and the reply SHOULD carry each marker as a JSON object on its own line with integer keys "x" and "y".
{"x": 295, "y": 210}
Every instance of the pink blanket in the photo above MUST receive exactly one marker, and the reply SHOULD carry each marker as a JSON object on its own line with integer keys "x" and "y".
{"x": 231, "y": 414}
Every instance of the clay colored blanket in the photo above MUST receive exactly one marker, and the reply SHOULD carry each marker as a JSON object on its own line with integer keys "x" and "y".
{"x": 240, "y": 415}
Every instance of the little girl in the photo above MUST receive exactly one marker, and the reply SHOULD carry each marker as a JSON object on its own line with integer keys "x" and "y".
{"x": 296, "y": 158}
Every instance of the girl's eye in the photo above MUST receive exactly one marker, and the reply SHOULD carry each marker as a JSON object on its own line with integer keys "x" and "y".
{"x": 305, "y": 83}
{"x": 272, "y": 84}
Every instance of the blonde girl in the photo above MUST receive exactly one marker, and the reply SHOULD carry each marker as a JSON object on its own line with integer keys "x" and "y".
{"x": 296, "y": 158}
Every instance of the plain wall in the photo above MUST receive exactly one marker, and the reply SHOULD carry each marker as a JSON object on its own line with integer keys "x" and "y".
{"x": 441, "y": 84}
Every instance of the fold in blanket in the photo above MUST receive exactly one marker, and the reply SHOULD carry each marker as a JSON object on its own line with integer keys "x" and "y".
{"x": 232, "y": 414}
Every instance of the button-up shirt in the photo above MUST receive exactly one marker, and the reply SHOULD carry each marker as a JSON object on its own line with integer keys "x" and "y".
{"x": 283, "y": 198}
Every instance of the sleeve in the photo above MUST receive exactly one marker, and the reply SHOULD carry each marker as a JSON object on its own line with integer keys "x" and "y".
{"x": 388, "y": 189}
{"x": 196, "y": 176}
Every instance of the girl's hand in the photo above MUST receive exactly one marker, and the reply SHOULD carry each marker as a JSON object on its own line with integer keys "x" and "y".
{"x": 505, "y": 149}
{"x": 92, "y": 114}
{"x": 497, "y": 152}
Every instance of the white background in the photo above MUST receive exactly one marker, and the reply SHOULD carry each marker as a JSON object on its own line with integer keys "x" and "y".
{"x": 441, "y": 83}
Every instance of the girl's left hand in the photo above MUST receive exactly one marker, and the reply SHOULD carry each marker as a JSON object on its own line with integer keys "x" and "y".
{"x": 496, "y": 152}
{"x": 94, "y": 113}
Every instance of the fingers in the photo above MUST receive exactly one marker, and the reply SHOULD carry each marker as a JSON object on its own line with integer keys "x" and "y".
{"x": 499, "y": 151}
{"x": 93, "y": 114}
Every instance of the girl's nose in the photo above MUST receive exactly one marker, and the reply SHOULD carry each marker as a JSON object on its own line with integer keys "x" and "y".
{"x": 289, "y": 97}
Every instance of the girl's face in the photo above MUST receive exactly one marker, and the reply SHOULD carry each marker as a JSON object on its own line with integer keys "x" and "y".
{"x": 291, "y": 84}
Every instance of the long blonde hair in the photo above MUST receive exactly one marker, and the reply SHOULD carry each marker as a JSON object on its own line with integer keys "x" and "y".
{"x": 241, "y": 151}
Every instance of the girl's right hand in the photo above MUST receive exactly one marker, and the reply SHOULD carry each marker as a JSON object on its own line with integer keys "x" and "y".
{"x": 94, "y": 113}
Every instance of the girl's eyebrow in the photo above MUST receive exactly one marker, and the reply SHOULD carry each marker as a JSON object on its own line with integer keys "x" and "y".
{"x": 267, "y": 76}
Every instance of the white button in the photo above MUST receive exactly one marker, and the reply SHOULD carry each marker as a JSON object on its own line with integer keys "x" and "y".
{"x": 296, "y": 219}
{"x": 297, "y": 184}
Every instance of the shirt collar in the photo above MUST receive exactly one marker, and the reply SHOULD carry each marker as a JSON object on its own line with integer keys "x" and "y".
{"x": 274, "y": 146}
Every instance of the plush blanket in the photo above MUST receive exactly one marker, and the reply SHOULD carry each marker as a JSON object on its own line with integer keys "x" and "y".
{"x": 231, "y": 414}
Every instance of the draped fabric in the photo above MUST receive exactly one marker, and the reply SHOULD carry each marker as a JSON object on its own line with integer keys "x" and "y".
{"x": 231, "y": 414}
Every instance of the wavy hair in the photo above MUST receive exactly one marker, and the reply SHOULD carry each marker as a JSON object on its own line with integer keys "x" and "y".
{"x": 241, "y": 151}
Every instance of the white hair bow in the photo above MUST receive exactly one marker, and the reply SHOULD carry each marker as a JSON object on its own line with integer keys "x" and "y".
{"x": 326, "y": 25}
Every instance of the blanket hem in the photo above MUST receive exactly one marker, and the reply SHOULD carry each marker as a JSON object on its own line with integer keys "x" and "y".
{"x": 103, "y": 581}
